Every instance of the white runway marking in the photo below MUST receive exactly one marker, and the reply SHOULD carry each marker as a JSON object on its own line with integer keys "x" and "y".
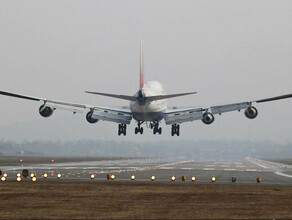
{"x": 208, "y": 168}
{"x": 229, "y": 169}
{"x": 252, "y": 170}
{"x": 282, "y": 174}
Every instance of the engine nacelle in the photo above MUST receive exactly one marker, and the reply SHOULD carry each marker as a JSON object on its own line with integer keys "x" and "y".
{"x": 208, "y": 118}
{"x": 46, "y": 111}
{"x": 251, "y": 112}
{"x": 90, "y": 119}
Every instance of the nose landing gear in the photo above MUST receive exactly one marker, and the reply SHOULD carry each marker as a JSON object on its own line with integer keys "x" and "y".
{"x": 139, "y": 129}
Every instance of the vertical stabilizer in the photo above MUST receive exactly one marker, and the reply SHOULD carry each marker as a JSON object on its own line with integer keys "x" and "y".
{"x": 142, "y": 82}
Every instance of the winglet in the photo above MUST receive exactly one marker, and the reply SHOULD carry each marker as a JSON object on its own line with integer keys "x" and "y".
{"x": 142, "y": 82}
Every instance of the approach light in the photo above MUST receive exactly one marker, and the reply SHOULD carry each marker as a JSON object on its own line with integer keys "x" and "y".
{"x": 33, "y": 179}
{"x": 32, "y": 175}
{"x": 92, "y": 176}
{"x": 213, "y": 179}
{"x": 18, "y": 179}
{"x": 18, "y": 175}
{"x": 59, "y": 175}
{"x": 133, "y": 177}
{"x": 173, "y": 178}
{"x": 3, "y": 178}
{"x": 153, "y": 178}
{"x": 5, "y": 175}
{"x": 183, "y": 178}
{"x": 112, "y": 176}
{"x": 193, "y": 178}
{"x": 45, "y": 175}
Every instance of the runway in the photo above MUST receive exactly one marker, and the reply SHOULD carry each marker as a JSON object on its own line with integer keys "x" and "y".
{"x": 170, "y": 170}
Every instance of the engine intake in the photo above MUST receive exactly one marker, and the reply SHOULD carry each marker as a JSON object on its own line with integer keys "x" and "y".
{"x": 90, "y": 119}
{"x": 208, "y": 118}
{"x": 251, "y": 112}
{"x": 46, "y": 111}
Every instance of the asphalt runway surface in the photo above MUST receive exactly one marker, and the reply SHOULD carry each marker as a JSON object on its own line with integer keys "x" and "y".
{"x": 142, "y": 170}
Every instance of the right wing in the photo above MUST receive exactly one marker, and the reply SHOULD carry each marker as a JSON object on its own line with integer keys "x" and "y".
{"x": 177, "y": 116}
{"x": 118, "y": 115}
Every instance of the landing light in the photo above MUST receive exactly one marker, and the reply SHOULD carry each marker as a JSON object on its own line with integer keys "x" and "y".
{"x": 173, "y": 178}
{"x": 193, "y": 178}
{"x": 133, "y": 177}
{"x": 153, "y": 177}
{"x": 213, "y": 179}
{"x": 259, "y": 180}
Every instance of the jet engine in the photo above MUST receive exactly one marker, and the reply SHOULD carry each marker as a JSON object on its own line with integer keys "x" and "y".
{"x": 208, "y": 118}
{"x": 46, "y": 111}
{"x": 251, "y": 112}
{"x": 90, "y": 119}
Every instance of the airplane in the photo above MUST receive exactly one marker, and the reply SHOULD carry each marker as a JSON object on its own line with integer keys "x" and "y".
{"x": 148, "y": 105}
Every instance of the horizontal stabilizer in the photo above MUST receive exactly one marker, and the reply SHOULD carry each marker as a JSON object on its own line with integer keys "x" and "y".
{"x": 125, "y": 97}
{"x": 148, "y": 98}
{"x": 160, "y": 97}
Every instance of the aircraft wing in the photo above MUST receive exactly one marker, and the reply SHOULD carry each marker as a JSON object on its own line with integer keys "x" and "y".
{"x": 176, "y": 116}
{"x": 118, "y": 115}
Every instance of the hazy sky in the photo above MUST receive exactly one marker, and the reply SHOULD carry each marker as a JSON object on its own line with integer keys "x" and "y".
{"x": 227, "y": 51}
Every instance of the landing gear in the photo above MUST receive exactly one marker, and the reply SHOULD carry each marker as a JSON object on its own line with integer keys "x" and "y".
{"x": 156, "y": 128}
{"x": 122, "y": 129}
{"x": 139, "y": 129}
{"x": 175, "y": 129}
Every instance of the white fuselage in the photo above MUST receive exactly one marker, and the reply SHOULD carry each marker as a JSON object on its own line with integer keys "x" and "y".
{"x": 150, "y": 110}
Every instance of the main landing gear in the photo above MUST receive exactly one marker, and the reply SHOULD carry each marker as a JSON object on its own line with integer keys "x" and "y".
{"x": 175, "y": 129}
{"x": 156, "y": 128}
{"x": 122, "y": 129}
{"x": 139, "y": 129}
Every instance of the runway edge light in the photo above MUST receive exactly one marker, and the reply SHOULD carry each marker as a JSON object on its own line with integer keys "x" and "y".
{"x": 213, "y": 179}
{"x": 259, "y": 180}
{"x": 173, "y": 178}
{"x": 153, "y": 178}
{"x": 92, "y": 176}
{"x": 193, "y": 178}
{"x": 133, "y": 177}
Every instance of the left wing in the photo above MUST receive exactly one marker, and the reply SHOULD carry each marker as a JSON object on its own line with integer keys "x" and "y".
{"x": 96, "y": 113}
{"x": 177, "y": 116}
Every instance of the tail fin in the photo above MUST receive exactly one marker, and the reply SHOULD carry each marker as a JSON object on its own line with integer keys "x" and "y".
{"x": 142, "y": 82}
